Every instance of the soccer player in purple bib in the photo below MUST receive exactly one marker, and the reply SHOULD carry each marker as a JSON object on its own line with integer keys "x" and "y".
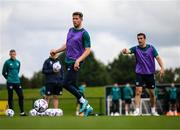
{"x": 77, "y": 48}
{"x": 145, "y": 69}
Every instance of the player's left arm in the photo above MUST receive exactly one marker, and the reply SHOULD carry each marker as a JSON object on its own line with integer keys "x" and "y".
{"x": 161, "y": 64}
{"x": 19, "y": 66}
{"x": 86, "y": 53}
{"x": 160, "y": 61}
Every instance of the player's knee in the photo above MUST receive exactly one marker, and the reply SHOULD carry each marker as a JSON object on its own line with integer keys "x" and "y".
{"x": 138, "y": 92}
{"x": 151, "y": 93}
{"x": 55, "y": 97}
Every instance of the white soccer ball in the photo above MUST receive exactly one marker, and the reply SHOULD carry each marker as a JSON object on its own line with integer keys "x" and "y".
{"x": 33, "y": 112}
{"x": 58, "y": 112}
{"x": 47, "y": 112}
{"x": 57, "y": 66}
{"x": 9, "y": 112}
{"x": 52, "y": 112}
{"x": 41, "y": 113}
{"x": 40, "y": 105}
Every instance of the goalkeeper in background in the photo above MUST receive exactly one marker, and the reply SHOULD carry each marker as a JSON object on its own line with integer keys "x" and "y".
{"x": 53, "y": 72}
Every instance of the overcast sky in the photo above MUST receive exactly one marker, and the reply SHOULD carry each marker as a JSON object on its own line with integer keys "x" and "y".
{"x": 34, "y": 27}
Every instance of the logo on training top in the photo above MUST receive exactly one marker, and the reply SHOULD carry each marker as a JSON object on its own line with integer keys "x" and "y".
{"x": 17, "y": 64}
{"x": 11, "y": 64}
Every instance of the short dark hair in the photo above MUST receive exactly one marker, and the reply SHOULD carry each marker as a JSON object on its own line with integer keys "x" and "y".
{"x": 141, "y": 34}
{"x": 12, "y": 50}
{"x": 79, "y": 14}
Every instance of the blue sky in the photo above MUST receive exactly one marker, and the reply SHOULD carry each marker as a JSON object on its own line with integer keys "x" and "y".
{"x": 33, "y": 27}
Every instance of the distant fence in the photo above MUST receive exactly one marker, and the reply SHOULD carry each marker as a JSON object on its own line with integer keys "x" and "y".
{"x": 162, "y": 99}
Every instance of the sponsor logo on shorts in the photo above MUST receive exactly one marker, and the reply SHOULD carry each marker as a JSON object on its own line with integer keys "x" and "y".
{"x": 11, "y": 87}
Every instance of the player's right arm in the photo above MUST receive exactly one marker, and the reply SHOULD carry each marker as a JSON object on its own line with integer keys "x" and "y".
{"x": 129, "y": 51}
{"x": 61, "y": 49}
{"x": 5, "y": 70}
{"x": 126, "y": 51}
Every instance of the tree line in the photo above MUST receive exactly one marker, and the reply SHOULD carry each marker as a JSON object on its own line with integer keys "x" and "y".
{"x": 95, "y": 73}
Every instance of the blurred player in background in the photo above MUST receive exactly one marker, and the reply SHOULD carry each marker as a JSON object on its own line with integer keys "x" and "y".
{"x": 145, "y": 69}
{"x": 116, "y": 96}
{"x": 172, "y": 100}
{"x": 127, "y": 96}
{"x": 54, "y": 74}
{"x": 10, "y": 72}
{"x": 77, "y": 48}
{"x": 43, "y": 92}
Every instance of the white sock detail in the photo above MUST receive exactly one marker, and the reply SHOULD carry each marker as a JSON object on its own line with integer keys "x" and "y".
{"x": 153, "y": 109}
{"x": 137, "y": 109}
{"x": 82, "y": 100}
{"x": 88, "y": 106}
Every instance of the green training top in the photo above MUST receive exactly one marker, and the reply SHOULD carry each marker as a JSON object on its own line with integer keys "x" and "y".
{"x": 172, "y": 93}
{"x": 115, "y": 93}
{"x": 127, "y": 92}
{"x": 11, "y": 70}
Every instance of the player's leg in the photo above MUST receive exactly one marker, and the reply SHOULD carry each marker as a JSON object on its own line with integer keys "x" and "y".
{"x": 55, "y": 101}
{"x": 174, "y": 108}
{"x": 10, "y": 95}
{"x": 150, "y": 82}
{"x": 126, "y": 107}
{"x": 117, "y": 106}
{"x": 137, "y": 100}
{"x": 113, "y": 106}
{"x": 19, "y": 91}
{"x": 138, "y": 92}
{"x": 130, "y": 106}
{"x": 77, "y": 108}
{"x": 57, "y": 90}
{"x": 48, "y": 91}
{"x": 70, "y": 85}
{"x": 152, "y": 98}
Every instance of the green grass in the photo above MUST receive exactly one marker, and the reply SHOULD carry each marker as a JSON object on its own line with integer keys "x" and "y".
{"x": 67, "y": 102}
{"x": 70, "y": 122}
{"x": 92, "y": 122}
{"x": 34, "y": 93}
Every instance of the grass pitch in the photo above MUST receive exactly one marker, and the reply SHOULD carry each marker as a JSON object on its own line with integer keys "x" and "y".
{"x": 92, "y": 122}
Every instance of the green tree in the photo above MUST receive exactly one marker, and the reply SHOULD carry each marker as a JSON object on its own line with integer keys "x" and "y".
{"x": 168, "y": 76}
{"x": 37, "y": 80}
{"x": 122, "y": 69}
{"x": 93, "y": 72}
{"x": 25, "y": 82}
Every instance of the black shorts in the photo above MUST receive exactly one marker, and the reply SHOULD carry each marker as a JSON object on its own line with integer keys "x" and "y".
{"x": 145, "y": 80}
{"x": 53, "y": 89}
{"x": 128, "y": 101}
{"x": 71, "y": 76}
{"x": 172, "y": 101}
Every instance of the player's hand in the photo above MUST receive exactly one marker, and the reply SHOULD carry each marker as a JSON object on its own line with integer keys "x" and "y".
{"x": 52, "y": 52}
{"x": 161, "y": 72}
{"x": 125, "y": 51}
{"x": 76, "y": 65}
